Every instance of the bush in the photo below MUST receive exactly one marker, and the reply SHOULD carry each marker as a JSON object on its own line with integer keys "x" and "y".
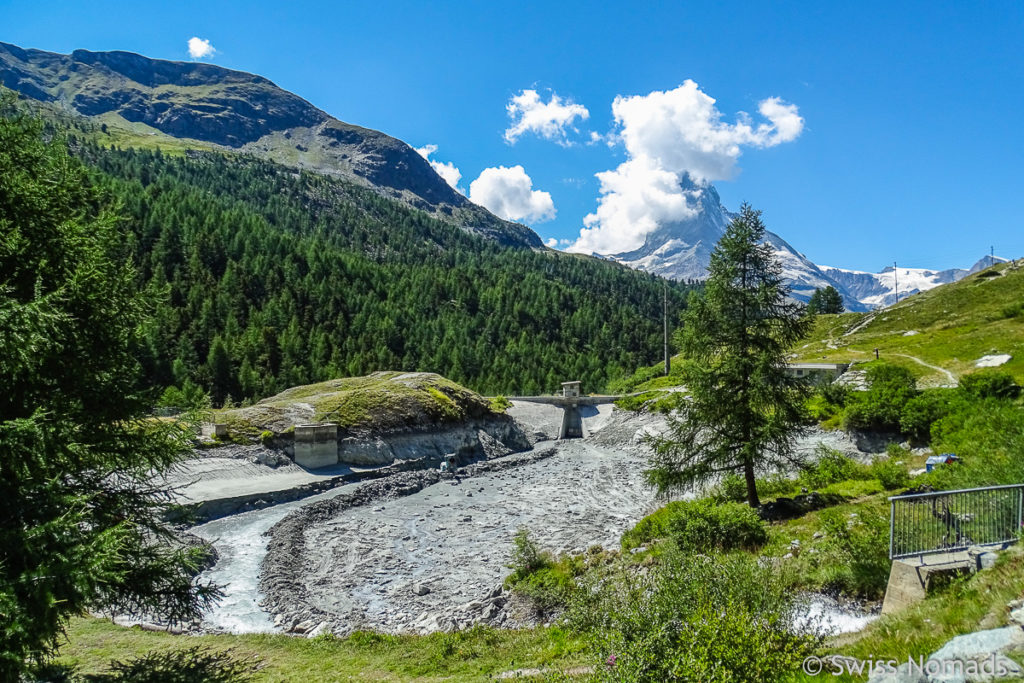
{"x": 830, "y": 467}
{"x": 890, "y": 387}
{"x": 731, "y": 489}
{"x": 539, "y": 577}
{"x": 499, "y": 404}
{"x": 701, "y": 526}
{"x": 777, "y": 485}
{"x": 988, "y": 435}
{"x": 527, "y": 556}
{"x": 266, "y": 437}
{"x": 922, "y": 411}
{"x": 989, "y": 384}
{"x": 890, "y": 472}
{"x": 695, "y": 618}
{"x": 1013, "y": 310}
{"x": 860, "y": 544}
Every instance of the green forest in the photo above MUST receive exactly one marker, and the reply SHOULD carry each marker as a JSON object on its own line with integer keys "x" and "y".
{"x": 267, "y": 277}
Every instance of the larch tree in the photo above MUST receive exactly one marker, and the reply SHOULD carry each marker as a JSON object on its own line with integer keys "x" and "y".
{"x": 744, "y": 409}
{"x": 82, "y": 521}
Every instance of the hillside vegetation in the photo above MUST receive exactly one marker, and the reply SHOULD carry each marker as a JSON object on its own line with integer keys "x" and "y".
{"x": 951, "y": 327}
{"x": 270, "y": 278}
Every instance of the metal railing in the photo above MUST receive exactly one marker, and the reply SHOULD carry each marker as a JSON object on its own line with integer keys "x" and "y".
{"x": 949, "y": 521}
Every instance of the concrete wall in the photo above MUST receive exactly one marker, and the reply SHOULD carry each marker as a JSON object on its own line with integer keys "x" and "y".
{"x": 572, "y": 423}
{"x": 316, "y": 445}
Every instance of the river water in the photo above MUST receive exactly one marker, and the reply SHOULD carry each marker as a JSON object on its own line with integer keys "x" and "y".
{"x": 241, "y": 546}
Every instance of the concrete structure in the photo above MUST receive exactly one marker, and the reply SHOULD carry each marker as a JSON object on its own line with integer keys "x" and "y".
{"x": 570, "y": 401}
{"x": 571, "y": 389}
{"x": 911, "y": 578}
{"x": 316, "y": 445}
{"x": 220, "y": 431}
{"x": 829, "y": 370}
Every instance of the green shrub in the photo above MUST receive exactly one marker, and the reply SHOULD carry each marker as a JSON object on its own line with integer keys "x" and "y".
{"x": 266, "y": 437}
{"x": 527, "y": 556}
{"x": 890, "y": 387}
{"x": 499, "y": 404}
{"x": 1013, "y": 310}
{"x": 921, "y": 412}
{"x": 777, "y": 485}
{"x": 989, "y": 384}
{"x": 701, "y": 526}
{"x": 830, "y": 467}
{"x": 536, "y": 575}
{"x": 891, "y": 472}
{"x": 860, "y": 545}
{"x": 988, "y": 436}
{"x": 694, "y": 618}
{"x": 731, "y": 489}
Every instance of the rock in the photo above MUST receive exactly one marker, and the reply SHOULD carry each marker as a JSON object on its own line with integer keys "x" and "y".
{"x": 420, "y": 589}
{"x": 818, "y": 534}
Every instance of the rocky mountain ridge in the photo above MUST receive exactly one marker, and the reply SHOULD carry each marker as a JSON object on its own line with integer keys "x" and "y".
{"x": 681, "y": 250}
{"x": 207, "y": 106}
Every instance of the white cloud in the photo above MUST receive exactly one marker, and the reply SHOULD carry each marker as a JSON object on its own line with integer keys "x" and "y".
{"x": 446, "y": 170}
{"x": 636, "y": 198}
{"x": 509, "y": 193}
{"x": 684, "y": 132}
{"x": 549, "y": 120}
{"x": 553, "y": 243}
{"x": 198, "y": 48}
{"x": 666, "y": 135}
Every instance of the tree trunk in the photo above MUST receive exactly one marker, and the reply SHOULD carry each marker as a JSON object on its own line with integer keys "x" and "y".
{"x": 748, "y": 474}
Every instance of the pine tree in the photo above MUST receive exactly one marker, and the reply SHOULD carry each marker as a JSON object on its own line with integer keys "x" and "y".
{"x": 825, "y": 300}
{"x": 744, "y": 409}
{"x": 83, "y": 526}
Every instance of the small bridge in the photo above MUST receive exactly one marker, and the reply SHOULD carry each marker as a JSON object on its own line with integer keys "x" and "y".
{"x": 570, "y": 402}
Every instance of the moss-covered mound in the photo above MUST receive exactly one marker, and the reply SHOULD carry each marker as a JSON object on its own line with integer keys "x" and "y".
{"x": 378, "y": 403}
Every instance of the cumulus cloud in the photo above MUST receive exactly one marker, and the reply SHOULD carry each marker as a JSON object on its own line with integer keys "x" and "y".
{"x": 198, "y": 48}
{"x": 553, "y": 243}
{"x": 636, "y": 198}
{"x": 446, "y": 170}
{"x": 666, "y": 135}
{"x": 509, "y": 193}
{"x": 550, "y": 120}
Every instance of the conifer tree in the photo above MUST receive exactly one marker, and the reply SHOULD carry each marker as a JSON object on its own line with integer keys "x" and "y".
{"x": 743, "y": 409}
{"x": 82, "y": 523}
{"x": 825, "y": 300}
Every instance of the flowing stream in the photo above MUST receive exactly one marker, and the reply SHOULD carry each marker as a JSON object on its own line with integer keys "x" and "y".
{"x": 241, "y": 547}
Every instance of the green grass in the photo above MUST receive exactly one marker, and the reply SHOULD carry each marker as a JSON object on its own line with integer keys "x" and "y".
{"x": 471, "y": 655}
{"x": 955, "y": 325}
{"x": 381, "y": 401}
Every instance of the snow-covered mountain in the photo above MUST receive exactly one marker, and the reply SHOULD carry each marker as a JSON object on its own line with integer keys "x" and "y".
{"x": 682, "y": 250}
{"x": 879, "y": 289}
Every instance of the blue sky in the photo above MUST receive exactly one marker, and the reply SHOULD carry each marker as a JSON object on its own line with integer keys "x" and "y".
{"x": 909, "y": 148}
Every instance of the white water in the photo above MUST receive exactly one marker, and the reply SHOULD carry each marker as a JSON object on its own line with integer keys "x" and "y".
{"x": 241, "y": 547}
{"x": 832, "y": 617}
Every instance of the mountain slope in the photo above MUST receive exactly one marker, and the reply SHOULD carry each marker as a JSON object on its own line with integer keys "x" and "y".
{"x": 275, "y": 279}
{"x": 952, "y": 326}
{"x": 682, "y": 250}
{"x": 209, "y": 107}
{"x": 877, "y": 290}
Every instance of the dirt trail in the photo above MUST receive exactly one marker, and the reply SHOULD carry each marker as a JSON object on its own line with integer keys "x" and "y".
{"x": 949, "y": 375}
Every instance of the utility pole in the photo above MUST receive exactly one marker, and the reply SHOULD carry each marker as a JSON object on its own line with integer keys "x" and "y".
{"x": 895, "y": 282}
{"x": 664, "y": 311}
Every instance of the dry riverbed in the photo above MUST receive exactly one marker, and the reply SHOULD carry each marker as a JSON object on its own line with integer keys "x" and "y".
{"x": 421, "y": 551}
